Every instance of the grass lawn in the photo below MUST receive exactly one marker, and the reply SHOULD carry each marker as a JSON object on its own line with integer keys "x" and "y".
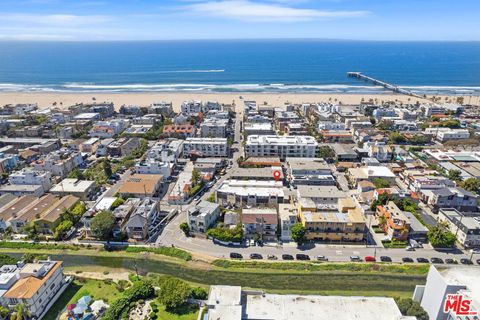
{"x": 97, "y": 289}
{"x": 189, "y": 312}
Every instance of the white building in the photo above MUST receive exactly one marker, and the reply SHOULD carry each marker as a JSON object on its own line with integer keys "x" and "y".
{"x": 450, "y": 281}
{"x": 214, "y": 128}
{"x": 281, "y": 146}
{"x": 250, "y": 193}
{"x": 330, "y": 125}
{"x": 306, "y": 171}
{"x": 453, "y": 134}
{"x": 466, "y": 228}
{"x": 287, "y": 214}
{"x": 258, "y": 128}
{"x": 108, "y": 129}
{"x": 166, "y": 151}
{"x": 59, "y": 163}
{"x": 151, "y": 166}
{"x": 231, "y": 303}
{"x": 206, "y": 147}
{"x": 32, "y": 177}
{"x": 202, "y": 216}
{"x": 37, "y": 285}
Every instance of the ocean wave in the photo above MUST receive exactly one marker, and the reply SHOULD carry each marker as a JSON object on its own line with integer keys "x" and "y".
{"x": 85, "y": 87}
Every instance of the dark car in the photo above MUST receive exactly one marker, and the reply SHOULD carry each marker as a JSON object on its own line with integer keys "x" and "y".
{"x": 235, "y": 255}
{"x": 407, "y": 260}
{"x": 466, "y": 261}
{"x": 385, "y": 259}
{"x": 301, "y": 256}
{"x": 451, "y": 261}
{"x": 436, "y": 260}
{"x": 478, "y": 261}
{"x": 422, "y": 260}
{"x": 256, "y": 256}
{"x": 287, "y": 257}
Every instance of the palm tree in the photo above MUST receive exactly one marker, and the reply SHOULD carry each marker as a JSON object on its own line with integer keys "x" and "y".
{"x": 382, "y": 221}
{"x": 21, "y": 312}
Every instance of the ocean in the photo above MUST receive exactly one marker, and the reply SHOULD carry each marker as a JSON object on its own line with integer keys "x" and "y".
{"x": 239, "y": 66}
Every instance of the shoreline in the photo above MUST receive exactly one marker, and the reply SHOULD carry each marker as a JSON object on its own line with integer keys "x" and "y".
{"x": 64, "y": 100}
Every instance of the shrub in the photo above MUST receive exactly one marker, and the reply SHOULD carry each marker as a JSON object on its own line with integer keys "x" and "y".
{"x": 36, "y": 246}
{"x": 226, "y": 234}
{"x": 174, "y": 293}
{"x": 139, "y": 290}
{"x": 199, "y": 293}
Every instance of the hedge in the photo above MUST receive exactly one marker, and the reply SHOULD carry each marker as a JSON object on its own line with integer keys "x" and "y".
{"x": 37, "y": 246}
{"x": 166, "y": 251}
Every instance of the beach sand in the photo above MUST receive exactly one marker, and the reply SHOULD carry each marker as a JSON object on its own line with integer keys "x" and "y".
{"x": 64, "y": 100}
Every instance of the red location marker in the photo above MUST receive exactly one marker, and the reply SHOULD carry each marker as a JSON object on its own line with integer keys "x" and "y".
{"x": 276, "y": 175}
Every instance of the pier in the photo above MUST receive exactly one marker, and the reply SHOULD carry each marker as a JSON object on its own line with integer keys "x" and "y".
{"x": 386, "y": 85}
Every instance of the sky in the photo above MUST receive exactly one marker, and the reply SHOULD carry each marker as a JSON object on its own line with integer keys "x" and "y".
{"x": 99, "y": 20}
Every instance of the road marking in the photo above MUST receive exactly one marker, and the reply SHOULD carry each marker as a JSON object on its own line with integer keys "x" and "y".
{"x": 339, "y": 252}
{"x": 356, "y": 253}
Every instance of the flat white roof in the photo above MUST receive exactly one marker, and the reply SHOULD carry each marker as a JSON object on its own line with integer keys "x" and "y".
{"x": 281, "y": 140}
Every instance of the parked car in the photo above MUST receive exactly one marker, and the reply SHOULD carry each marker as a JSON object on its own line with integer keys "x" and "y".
{"x": 409, "y": 248}
{"x": 478, "y": 261}
{"x": 235, "y": 255}
{"x": 436, "y": 260}
{"x": 256, "y": 256}
{"x": 355, "y": 258}
{"x": 385, "y": 259}
{"x": 370, "y": 259}
{"x": 322, "y": 258}
{"x": 272, "y": 257}
{"x": 287, "y": 257}
{"x": 301, "y": 256}
{"x": 422, "y": 260}
{"x": 466, "y": 261}
{"x": 451, "y": 261}
{"x": 407, "y": 260}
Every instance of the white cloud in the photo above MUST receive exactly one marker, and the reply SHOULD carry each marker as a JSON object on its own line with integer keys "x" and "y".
{"x": 254, "y": 11}
{"x": 54, "y": 19}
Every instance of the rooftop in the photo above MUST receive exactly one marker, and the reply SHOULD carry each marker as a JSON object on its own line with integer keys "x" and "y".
{"x": 72, "y": 185}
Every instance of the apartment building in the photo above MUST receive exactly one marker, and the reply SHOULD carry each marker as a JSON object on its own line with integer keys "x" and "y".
{"x": 141, "y": 186}
{"x": 89, "y": 146}
{"x": 123, "y": 147}
{"x": 396, "y": 224}
{"x": 449, "y": 197}
{"x": 306, "y": 171}
{"x": 287, "y": 216}
{"x": 202, "y": 215}
{"x": 379, "y": 150}
{"x": 345, "y": 222}
{"x": 258, "y": 128}
{"x": 330, "y": 126}
{"x": 37, "y": 285}
{"x": 260, "y": 223}
{"x": 59, "y": 163}
{"x": 206, "y": 147}
{"x": 250, "y": 193}
{"x": 166, "y": 151}
{"x": 153, "y": 166}
{"x": 465, "y": 227}
{"x": 140, "y": 224}
{"x": 281, "y": 146}
{"x": 181, "y": 131}
{"x": 31, "y": 177}
{"x": 108, "y": 129}
{"x": 453, "y": 134}
{"x": 337, "y": 136}
{"x": 214, "y": 128}
{"x": 283, "y": 118}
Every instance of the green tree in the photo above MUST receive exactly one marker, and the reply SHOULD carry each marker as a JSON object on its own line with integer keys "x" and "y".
{"x": 6, "y": 259}
{"x": 455, "y": 175}
{"x": 62, "y": 229}
{"x": 174, "y": 293}
{"x": 107, "y": 168}
{"x": 76, "y": 174}
{"x": 185, "y": 228}
{"x": 298, "y": 233}
{"x": 20, "y": 312}
{"x": 385, "y": 125}
{"x": 4, "y": 312}
{"x": 440, "y": 236}
{"x": 211, "y": 197}
{"x": 471, "y": 184}
{"x": 396, "y": 137}
{"x": 326, "y": 153}
{"x": 102, "y": 225}
{"x": 29, "y": 257}
{"x": 117, "y": 203}
{"x": 408, "y": 307}
{"x": 195, "y": 177}
{"x": 381, "y": 183}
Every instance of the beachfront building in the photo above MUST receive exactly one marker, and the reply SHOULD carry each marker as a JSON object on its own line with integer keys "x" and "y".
{"x": 281, "y": 146}
{"x": 206, "y": 147}
{"x": 166, "y": 151}
{"x": 37, "y": 285}
{"x": 162, "y": 107}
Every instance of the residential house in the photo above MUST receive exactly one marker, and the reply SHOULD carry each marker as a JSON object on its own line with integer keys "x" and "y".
{"x": 260, "y": 223}
{"x": 202, "y": 215}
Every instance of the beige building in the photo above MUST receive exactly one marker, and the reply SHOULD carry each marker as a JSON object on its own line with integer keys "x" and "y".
{"x": 347, "y": 223}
